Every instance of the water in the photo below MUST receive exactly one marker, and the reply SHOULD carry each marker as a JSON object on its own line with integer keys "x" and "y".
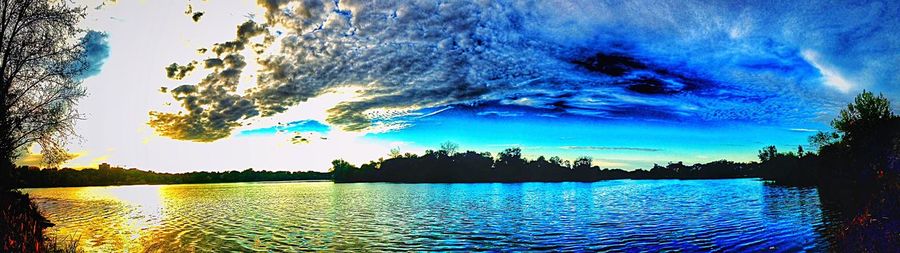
{"x": 621, "y": 215}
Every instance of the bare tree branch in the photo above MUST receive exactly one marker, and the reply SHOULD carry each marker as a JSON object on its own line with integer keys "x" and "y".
{"x": 40, "y": 58}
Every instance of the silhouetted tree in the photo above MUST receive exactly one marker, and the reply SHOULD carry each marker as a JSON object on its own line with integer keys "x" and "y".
{"x": 583, "y": 162}
{"x": 342, "y": 170}
{"x": 39, "y": 62}
{"x": 395, "y": 152}
{"x": 449, "y": 148}
{"x": 860, "y": 171}
{"x": 555, "y": 160}
{"x": 767, "y": 153}
{"x": 866, "y": 111}
{"x": 40, "y": 59}
{"x": 823, "y": 139}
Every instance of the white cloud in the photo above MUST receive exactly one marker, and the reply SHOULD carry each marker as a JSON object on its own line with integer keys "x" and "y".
{"x": 831, "y": 75}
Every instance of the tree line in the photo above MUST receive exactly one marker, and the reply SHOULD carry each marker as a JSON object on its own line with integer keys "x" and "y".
{"x": 863, "y": 149}
{"x": 34, "y": 177}
{"x": 446, "y": 165}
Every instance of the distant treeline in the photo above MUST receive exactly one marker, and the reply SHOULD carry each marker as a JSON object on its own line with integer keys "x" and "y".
{"x": 33, "y": 177}
{"x": 448, "y": 166}
{"x": 864, "y": 148}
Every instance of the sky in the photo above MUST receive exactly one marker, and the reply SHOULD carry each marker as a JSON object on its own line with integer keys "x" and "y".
{"x": 180, "y": 86}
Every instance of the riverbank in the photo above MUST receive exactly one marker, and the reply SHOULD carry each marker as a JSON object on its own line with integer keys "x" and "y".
{"x": 22, "y": 226}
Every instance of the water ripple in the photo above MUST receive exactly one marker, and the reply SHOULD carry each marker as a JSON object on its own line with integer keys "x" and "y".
{"x": 623, "y": 215}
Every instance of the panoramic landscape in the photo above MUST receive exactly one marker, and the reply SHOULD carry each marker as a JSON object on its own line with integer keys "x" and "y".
{"x": 373, "y": 126}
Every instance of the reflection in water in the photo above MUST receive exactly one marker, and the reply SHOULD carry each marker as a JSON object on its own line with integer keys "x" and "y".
{"x": 103, "y": 218}
{"x": 801, "y": 205}
{"x": 653, "y": 215}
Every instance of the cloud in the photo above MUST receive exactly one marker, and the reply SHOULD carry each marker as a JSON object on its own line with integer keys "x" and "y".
{"x": 610, "y": 148}
{"x": 196, "y": 16}
{"x": 33, "y": 157}
{"x": 435, "y": 112}
{"x": 831, "y": 76}
{"x": 693, "y": 61}
{"x": 96, "y": 50}
{"x": 177, "y": 72}
{"x": 500, "y": 114}
{"x": 803, "y": 130}
{"x": 213, "y": 106}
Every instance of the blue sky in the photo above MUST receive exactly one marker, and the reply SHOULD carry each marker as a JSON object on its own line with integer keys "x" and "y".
{"x": 293, "y": 84}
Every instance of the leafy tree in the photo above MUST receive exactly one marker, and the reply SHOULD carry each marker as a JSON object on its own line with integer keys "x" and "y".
{"x": 395, "y": 152}
{"x": 341, "y": 169}
{"x": 822, "y": 139}
{"x": 510, "y": 157}
{"x": 768, "y": 153}
{"x": 865, "y": 111}
{"x": 340, "y": 164}
{"x": 870, "y": 135}
{"x": 555, "y": 160}
{"x": 583, "y": 162}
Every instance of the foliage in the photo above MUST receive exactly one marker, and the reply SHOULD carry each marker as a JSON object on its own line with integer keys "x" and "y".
{"x": 856, "y": 170}
{"x": 21, "y": 224}
{"x": 40, "y": 61}
{"x": 866, "y": 111}
{"x": 768, "y": 153}
{"x": 511, "y": 166}
{"x": 40, "y": 64}
{"x": 823, "y": 139}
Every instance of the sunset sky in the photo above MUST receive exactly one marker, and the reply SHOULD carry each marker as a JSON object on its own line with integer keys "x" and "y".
{"x": 292, "y": 85}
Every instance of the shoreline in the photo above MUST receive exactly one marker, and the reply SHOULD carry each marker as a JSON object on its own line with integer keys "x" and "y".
{"x": 772, "y": 182}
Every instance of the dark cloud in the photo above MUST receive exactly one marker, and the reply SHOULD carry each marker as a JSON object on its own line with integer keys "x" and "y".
{"x": 213, "y": 108}
{"x": 213, "y": 63}
{"x": 611, "y": 64}
{"x": 643, "y": 59}
{"x": 177, "y": 72}
{"x": 196, "y": 16}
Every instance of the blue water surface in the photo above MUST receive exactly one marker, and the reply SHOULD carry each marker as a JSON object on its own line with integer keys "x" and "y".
{"x": 744, "y": 215}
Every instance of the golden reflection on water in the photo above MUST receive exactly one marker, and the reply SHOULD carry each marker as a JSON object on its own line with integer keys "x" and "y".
{"x": 186, "y": 218}
{"x": 104, "y": 219}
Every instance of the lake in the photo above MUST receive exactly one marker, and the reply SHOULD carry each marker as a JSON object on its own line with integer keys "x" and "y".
{"x": 619, "y": 215}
